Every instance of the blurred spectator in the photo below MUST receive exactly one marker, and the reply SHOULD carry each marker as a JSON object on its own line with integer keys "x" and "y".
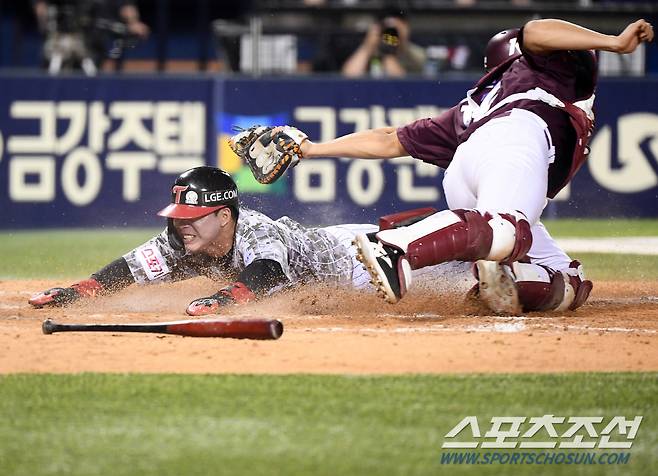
{"x": 386, "y": 50}
{"x": 79, "y": 32}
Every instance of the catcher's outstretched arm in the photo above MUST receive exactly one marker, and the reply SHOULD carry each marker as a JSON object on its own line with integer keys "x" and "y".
{"x": 544, "y": 36}
{"x": 379, "y": 143}
{"x": 270, "y": 151}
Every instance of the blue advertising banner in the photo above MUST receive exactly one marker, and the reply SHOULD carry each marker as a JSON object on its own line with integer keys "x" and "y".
{"x": 335, "y": 190}
{"x": 97, "y": 152}
{"x": 619, "y": 179}
{"x": 105, "y": 151}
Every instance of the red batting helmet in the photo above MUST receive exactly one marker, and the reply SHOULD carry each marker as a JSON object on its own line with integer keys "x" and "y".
{"x": 500, "y": 47}
{"x": 200, "y": 191}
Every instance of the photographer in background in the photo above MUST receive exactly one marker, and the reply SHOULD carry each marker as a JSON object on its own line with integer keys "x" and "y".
{"x": 79, "y": 33}
{"x": 386, "y": 50}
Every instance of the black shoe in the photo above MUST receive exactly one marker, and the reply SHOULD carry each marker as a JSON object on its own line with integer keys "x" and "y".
{"x": 388, "y": 268}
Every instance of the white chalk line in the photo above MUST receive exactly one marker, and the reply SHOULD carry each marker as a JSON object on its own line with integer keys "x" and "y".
{"x": 499, "y": 327}
{"x": 641, "y": 245}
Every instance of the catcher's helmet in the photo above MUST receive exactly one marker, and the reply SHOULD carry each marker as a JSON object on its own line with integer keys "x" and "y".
{"x": 200, "y": 191}
{"x": 500, "y": 47}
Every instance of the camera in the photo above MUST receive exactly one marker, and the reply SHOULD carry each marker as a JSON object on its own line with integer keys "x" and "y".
{"x": 390, "y": 40}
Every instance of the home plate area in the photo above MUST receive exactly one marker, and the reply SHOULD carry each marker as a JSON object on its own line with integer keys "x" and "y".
{"x": 329, "y": 330}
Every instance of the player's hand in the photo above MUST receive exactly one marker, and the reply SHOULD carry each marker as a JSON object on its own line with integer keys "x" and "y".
{"x": 66, "y": 296}
{"x": 634, "y": 34}
{"x": 372, "y": 39}
{"x": 234, "y": 293}
{"x": 206, "y": 305}
{"x": 268, "y": 151}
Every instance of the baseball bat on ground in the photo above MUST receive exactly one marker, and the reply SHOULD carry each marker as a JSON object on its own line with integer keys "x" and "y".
{"x": 262, "y": 329}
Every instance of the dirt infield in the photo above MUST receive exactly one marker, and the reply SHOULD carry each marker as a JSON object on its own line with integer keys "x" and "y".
{"x": 335, "y": 331}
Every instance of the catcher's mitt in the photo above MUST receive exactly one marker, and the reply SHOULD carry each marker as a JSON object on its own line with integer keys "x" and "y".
{"x": 268, "y": 151}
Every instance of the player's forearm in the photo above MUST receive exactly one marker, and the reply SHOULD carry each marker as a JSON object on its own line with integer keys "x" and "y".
{"x": 115, "y": 276}
{"x": 380, "y": 143}
{"x": 263, "y": 275}
{"x": 543, "y": 36}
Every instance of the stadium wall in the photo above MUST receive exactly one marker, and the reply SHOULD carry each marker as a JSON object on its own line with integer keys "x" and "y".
{"x": 104, "y": 151}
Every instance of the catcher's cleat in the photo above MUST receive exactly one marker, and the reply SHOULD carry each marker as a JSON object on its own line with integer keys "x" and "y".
{"x": 496, "y": 288}
{"x": 387, "y": 266}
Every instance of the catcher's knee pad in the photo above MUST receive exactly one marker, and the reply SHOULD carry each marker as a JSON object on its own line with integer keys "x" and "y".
{"x": 541, "y": 288}
{"x": 464, "y": 235}
{"x": 512, "y": 237}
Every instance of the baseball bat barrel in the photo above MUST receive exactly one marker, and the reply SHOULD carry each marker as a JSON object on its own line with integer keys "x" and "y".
{"x": 260, "y": 329}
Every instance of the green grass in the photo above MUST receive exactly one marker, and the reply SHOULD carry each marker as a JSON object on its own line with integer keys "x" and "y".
{"x": 592, "y": 228}
{"x": 65, "y": 253}
{"x": 611, "y": 267}
{"x": 74, "y": 254}
{"x": 91, "y": 424}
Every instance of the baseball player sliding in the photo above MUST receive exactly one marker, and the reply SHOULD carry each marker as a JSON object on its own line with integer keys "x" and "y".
{"x": 518, "y": 137}
{"x": 209, "y": 233}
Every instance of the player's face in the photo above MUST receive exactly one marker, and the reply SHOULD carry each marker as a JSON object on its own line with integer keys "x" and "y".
{"x": 199, "y": 233}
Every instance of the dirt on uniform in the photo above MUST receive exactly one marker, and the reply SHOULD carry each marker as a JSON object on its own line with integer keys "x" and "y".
{"x": 336, "y": 331}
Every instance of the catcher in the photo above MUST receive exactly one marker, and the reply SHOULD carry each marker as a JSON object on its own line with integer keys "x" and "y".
{"x": 209, "y": 234}
{"x": 518, "y": 138}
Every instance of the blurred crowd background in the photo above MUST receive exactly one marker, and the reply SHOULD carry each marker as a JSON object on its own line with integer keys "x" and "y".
{"x": 354, "y": 38}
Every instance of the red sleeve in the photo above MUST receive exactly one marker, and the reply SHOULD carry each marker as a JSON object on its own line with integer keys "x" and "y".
{"x": 432, "y": 140}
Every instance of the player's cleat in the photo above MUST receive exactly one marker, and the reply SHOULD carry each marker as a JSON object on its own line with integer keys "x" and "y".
{"x": 496, "y": 288}
{"x": 387, "y": 266}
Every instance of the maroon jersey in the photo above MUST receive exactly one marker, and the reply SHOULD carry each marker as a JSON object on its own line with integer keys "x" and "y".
{"x": 543, "y": 84}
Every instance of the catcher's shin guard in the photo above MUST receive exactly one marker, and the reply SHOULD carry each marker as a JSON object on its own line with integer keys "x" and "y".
{"x": 464, "y": 235}
{"x": 544, "y": 289}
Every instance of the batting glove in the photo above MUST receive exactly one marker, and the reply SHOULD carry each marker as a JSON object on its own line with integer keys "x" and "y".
{"x": 234, "y": 293}
{"x": 65, "y": 296}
